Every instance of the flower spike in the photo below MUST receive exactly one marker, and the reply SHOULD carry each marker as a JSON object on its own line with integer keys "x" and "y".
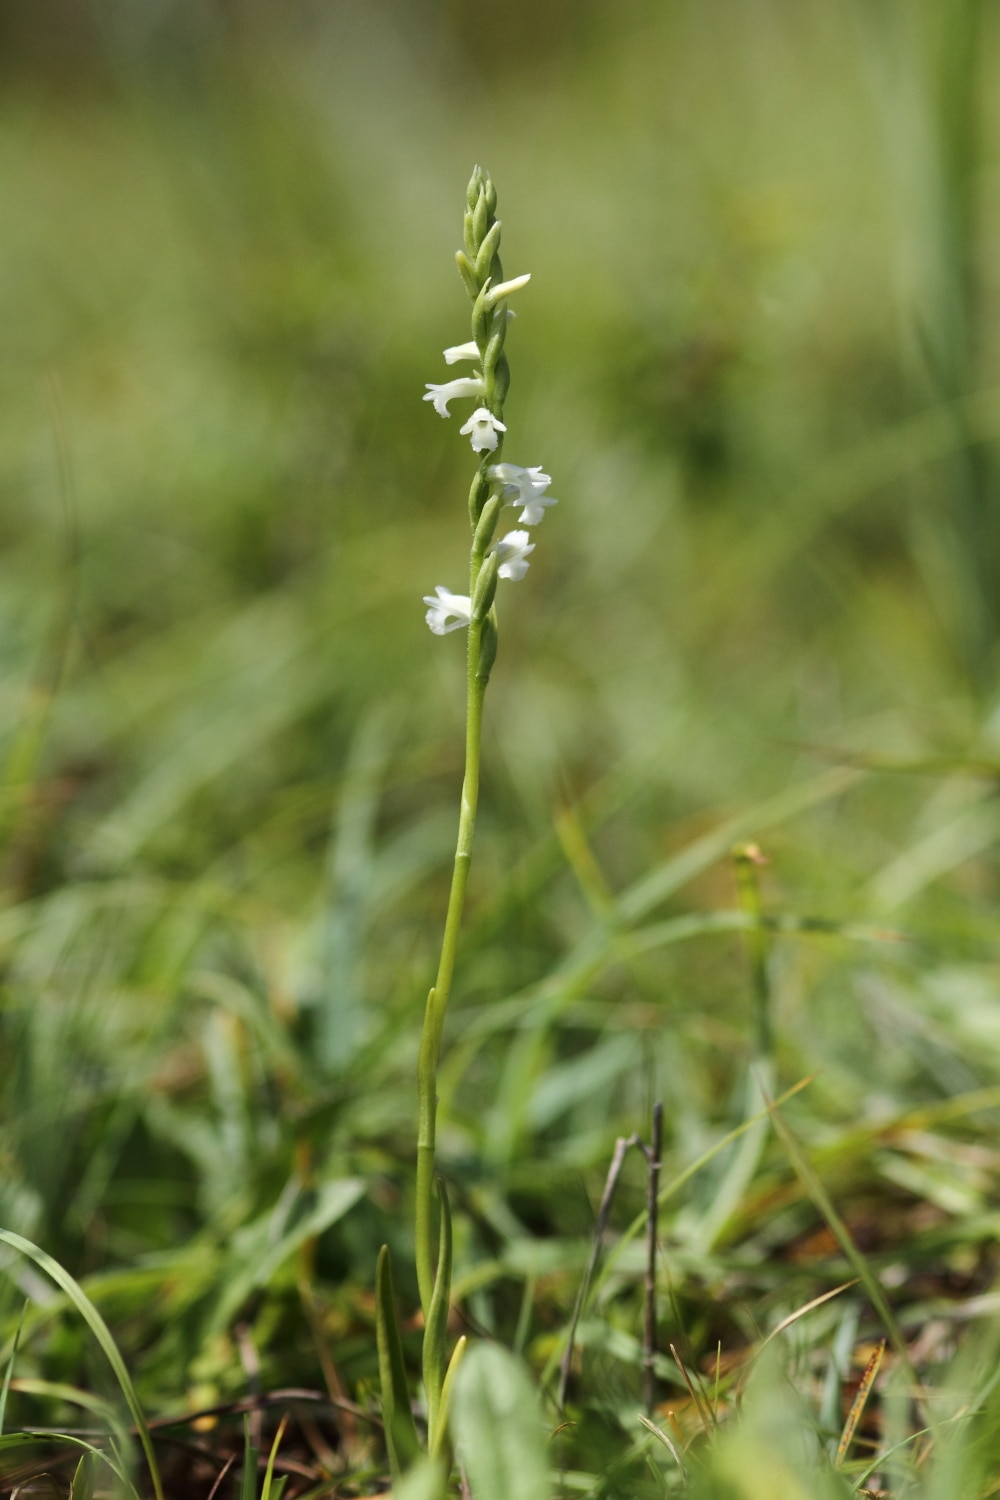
{"x": 494, "y": 485}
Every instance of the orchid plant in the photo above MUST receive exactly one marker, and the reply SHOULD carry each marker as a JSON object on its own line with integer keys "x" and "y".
{"x": 495, "y": 485}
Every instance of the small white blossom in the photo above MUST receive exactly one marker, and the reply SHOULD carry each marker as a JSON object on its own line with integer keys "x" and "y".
{"x": 461, "y": 351}
{"x": 466, "y": 385}
{"x": 505, "y": 289}
{"x": 534, "y": 509}
{"x": 482, "y": 428}
{"x": 524, "y": 487}
{"x": 443, "y": 606}
{"x": 512, "y": 552}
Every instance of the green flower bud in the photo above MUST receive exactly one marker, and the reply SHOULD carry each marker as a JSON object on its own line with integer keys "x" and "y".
{"x": 503, "y": 289}
{"x": 487, "y": 252}
{"x": 488, "y": 642}
{"x": 486, "y": 526}
{"x": 485, "y": 588}
{"x": 467, "y": 271}
{"x": 482, "y": 323}
{"x": 480, "y": 221}
{"x": 479, "y": 493}
{"x": 496, "y": 389}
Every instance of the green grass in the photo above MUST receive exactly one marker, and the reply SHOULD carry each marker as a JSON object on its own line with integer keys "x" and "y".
{"x": 759, "y": 357}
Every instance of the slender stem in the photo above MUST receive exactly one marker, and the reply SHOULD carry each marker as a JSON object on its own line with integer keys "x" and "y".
{"x": 747, "y": 859}
{"x": 437, "y": 1000}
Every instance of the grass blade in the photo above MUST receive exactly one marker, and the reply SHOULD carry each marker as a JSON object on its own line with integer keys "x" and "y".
{"x": 858, "y": 1404}
{"x": 819, "y": 1195}
{"x": 436, "y": 1333}
{"x": 82, "y": 1484}
{"x": 102, "y": 1334}
{"x": 10, "y": 1368}
{"x": 400, "y": 1431}
{"x": 267, "y": 1493}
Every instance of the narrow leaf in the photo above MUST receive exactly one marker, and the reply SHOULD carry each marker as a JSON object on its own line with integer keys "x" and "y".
{"x": 267, "y": 1493}
{"x": 810, "y": 1180}
{"x": 858, "y": 1404}
{"x": 400, "y": 1432}
{"x": 10, "y": 1368}
{"x": 444, "y": 1409}
{"x": 101, "y": 1332}
{"x": 82, "y": 1484}
{"x": 435, "y": 1335}
{"x": 498, "y": 1429}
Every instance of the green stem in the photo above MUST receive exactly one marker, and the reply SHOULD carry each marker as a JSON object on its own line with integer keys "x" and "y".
{"x": 437, "y": 1000}
{"x": 747, "y": 859}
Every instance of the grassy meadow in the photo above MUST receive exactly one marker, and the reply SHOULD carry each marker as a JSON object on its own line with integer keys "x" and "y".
{"x": 760, "y": 357}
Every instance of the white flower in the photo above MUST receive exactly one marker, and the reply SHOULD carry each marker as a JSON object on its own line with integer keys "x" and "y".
{"x": 482, "y": 428}
{"x": 461, "y": 351}
{"x": 466, "y": 385}
{"x": 505, "y": 289}
{"x": 512, "y": 552}
{"x": 524, "y": 487}
{"x": 443, "y": 607}
{"x": 534, "y": 509}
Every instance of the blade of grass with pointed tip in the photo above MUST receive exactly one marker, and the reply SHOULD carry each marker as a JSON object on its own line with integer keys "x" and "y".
{"x": 102, "y": 1333}
{"x": 436, "y": 1332}
{"x": 810, "y": 1181}
{"x": 444, "y": 1409}
{"x": 859, "y": 1403}
{"x": 800, "y": 1312}
{"x": 267, "y": 1493}
{"x": 400, "y": 1431}
{"x": 661, "y": 1437}
{"x": 82, "y": 1484}
{"x": 15, "y": 1440}
{"x": 10, "y": 1367}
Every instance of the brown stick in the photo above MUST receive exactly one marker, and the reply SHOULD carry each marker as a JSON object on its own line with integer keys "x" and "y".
{"x": 622, "y": 1145}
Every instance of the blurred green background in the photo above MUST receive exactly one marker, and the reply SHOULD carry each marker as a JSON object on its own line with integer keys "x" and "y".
{"x": 758, "y": 356}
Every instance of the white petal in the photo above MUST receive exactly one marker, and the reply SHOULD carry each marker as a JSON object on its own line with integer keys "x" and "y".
{"x": 461, "y": 351}
{"x": 452, "y": 390}
{"x": 482, "y": 428}
{"x": 505, "y": 289}
{"x": 534, "y": 509}
{"x": 524, "y": 487}
{"x": 443, "y": 604}
{"x": 512, "y": 552}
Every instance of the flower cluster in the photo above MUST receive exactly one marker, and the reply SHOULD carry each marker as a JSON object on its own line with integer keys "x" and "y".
{"x": 496, "y": 484}
{"x": 524, "y": 487}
